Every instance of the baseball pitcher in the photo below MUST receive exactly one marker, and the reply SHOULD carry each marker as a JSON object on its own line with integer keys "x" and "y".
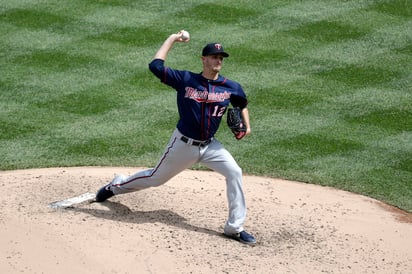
{"x": 202, "y": 100}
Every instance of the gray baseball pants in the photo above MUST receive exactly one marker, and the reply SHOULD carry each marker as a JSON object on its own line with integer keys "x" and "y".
{"x": 179, "y": 156}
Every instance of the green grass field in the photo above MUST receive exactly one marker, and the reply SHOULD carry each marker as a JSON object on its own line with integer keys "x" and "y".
{"x": 329, "y": 84}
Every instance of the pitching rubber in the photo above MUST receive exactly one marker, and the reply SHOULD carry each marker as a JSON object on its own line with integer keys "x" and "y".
{"x": 73, "y": 201}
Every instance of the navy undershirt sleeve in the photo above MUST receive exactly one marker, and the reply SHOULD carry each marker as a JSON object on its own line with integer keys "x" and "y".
{"x": 157, "y": 68}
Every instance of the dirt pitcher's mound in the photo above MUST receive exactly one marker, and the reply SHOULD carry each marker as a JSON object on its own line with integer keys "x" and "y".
{"x": 177, "y": 228}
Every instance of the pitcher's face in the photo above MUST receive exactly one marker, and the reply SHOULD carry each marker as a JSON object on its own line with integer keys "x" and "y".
{"x": 212, "y": 62}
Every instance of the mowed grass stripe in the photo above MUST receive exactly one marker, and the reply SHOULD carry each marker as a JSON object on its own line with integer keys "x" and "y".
{"x": 378, "y": 42}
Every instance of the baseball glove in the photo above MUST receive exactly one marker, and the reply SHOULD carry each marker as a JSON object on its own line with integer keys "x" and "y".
{"x": 235, "y": 122}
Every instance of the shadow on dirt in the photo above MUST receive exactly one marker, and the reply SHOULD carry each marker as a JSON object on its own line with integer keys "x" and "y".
{"x": 121, "y": 213}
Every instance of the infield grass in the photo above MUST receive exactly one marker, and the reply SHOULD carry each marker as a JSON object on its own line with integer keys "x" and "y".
{"x": 329, "y": 84}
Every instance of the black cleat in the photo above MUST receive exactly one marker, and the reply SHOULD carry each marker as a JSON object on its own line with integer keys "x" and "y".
{"x": 243, "y": 237}
{"x": 104, "y": 193}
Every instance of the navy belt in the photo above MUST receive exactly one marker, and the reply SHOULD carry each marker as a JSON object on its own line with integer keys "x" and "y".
{"x": 194, "y": 142}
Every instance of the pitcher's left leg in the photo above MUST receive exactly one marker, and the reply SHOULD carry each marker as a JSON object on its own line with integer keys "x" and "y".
{"x": 220, "y": 160}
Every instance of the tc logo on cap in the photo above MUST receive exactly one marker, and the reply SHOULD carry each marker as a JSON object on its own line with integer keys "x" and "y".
{"x": 218, "y": 46}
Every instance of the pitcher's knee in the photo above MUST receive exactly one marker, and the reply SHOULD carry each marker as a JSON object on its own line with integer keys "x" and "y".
{"x": 234, "y": 173}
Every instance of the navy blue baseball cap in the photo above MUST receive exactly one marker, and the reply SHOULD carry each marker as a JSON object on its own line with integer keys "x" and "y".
{"x": 214, "y": 48}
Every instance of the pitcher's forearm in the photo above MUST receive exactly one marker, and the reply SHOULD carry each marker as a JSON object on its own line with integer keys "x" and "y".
{"x": 168, "y": 44}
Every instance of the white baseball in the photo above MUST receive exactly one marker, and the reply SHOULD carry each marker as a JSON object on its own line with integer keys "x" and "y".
{"x": 185, "y": 35}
